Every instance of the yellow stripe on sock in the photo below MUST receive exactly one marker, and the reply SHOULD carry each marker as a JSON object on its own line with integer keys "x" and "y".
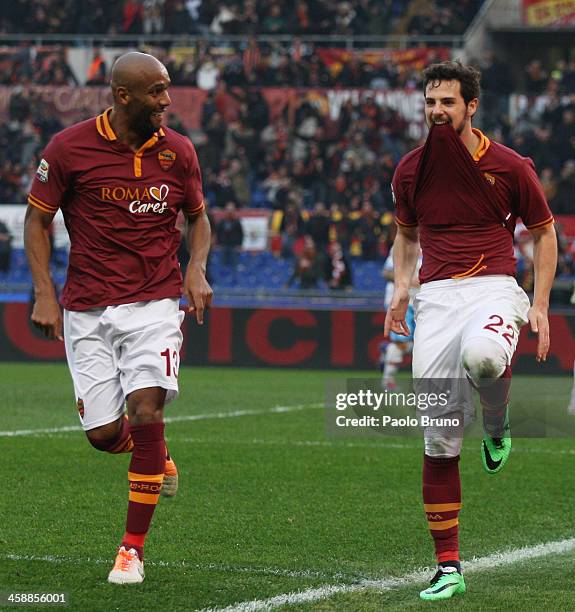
{"x": 442, "y": 507}
{"x": 442, "y": 525}
{"x": 144, "y": 498}
{"x": 145, "y": 477}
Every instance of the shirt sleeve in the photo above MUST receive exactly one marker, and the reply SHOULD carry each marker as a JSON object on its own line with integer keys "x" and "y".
{"x": 51, "y": 179}
{"x": 532, "y": 206}
{"x": 404, "y": 213}
{"x": 194, "y": 196}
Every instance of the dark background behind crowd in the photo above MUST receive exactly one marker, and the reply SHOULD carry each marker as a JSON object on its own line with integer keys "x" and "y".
{"x": 237, "y": 17}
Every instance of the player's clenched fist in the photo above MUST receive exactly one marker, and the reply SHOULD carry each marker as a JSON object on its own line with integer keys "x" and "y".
{"x": 47, "y": 316}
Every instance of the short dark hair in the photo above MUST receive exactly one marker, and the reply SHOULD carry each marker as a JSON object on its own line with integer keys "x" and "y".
{"x": 468, "y": 76}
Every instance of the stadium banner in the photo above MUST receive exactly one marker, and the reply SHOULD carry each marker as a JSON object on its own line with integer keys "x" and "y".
{"x": 298, "y": 338}
{"x": 549, "y": 13}
{"x": 255, "y": 223}
{"x": 73, "y": 104}
{"x": 403, "y": 59}
{"x": 13, "y": 216}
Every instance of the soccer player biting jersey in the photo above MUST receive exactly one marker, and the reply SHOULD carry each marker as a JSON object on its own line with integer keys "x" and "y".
{"x": 458, "y": 197}
{"x": 120, "y": 180}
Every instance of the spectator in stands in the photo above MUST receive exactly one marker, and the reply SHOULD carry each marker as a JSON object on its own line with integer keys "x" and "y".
{"x": 564, "y": 201}
{"x": 307, "y": 270}
{"x": 219, "y": 185}
{"x": 97, "y": 72}
{"x": 535, "y": 78}
{"x": 549, "y": 183}
{"x": 274, "y": 22}
{"x": 317, "y": 226}
{"x": 344, "y": 18}
{"x": 153, "y": 17}
{"x": 230, "y": 236}
{"x": 276, "y": 185}
{"x": 208, "y": 73}
{"x": 225, "y": 19}
{"x": 5, "y": 248}
{"x": 238, "y": 173}
{"x": 132, "y": 16}
{"x": 338, "y": 270}
{"x": 368, "y": 230}
{"x": 292, "y": 225}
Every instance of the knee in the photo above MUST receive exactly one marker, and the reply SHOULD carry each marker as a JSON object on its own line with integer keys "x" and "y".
{"x": 101, "y": 437}
{"x": 146, "y": 406}
{"x": 440, "y": 446}
{"x": 483, "y": 359}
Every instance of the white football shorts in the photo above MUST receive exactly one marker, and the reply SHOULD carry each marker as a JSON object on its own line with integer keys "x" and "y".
{"x": 115, "y": 350}
{"x": 449, "y": 313}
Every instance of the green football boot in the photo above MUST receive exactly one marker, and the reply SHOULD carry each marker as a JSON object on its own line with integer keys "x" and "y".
{"x": 495, "y": 451}
{"x": 446, "y": 583}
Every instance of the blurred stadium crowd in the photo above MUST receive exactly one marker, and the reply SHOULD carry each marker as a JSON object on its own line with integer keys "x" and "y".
{"x": 325, "y": 180}
{"x": 237, "y": 17}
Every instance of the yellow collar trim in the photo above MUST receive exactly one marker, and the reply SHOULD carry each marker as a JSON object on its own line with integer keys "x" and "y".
{"x": 105, "y": 129}
{"x": 140, "y": 152}
{"x": 484, "y": 143}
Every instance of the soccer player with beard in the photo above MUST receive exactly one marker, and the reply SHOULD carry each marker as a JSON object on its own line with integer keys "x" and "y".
{"x": 120, "y": 180}
{"x": 458, "y": 197}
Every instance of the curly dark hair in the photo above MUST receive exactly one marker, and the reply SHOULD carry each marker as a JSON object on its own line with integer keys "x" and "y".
{"x": 468, "y": 76}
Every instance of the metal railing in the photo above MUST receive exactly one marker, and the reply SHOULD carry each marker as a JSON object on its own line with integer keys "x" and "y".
{"x": 146, "y": 40}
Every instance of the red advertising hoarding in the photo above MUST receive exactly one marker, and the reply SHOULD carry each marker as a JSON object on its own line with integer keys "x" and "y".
{"x": 273, "y": 337}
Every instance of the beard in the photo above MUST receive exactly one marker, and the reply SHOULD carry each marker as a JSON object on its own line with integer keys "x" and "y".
{"x": 141, "y": 122}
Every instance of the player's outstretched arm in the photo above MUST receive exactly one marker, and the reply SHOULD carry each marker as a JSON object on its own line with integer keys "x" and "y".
{"x": 196, "y": 288}
{"x": 544, "y": 265}
{"x": 405, "y": 256}
{"x": 46, "y": 314}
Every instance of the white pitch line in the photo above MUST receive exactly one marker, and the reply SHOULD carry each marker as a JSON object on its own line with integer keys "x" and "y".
{"x": 495, "y": 560}
{"x": 218, "y": 567}
{"x": 174, "y": 419}
{"x": 334, "y": 444}
{"x": 308, "y": 443}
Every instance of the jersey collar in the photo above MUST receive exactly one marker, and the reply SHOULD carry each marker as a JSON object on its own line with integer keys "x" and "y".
{"x": 105, "y": 129}
{"x": 484, "y": 143}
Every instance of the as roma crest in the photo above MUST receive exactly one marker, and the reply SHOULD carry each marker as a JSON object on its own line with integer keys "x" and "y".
{"x": 490, "y": 178}
{"x": 81, "y": 408}
{"x": 166, "y": 159}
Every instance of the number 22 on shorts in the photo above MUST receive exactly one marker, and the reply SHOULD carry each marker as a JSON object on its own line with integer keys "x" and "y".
{"x": 508, "y": 332}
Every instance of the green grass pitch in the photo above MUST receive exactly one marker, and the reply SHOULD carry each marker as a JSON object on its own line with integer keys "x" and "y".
{"x": 269, "y": 504}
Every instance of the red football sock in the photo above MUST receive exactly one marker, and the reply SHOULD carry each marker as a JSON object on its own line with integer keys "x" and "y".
{"x": 135, "y": 541}
{"x": 494, "y": 400}
{"x": 121, "y": 443}
{"x": 145, "y": 476}
{"x": 442, "y": 502}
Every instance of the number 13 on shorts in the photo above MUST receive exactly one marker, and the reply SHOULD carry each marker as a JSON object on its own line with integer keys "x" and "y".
{"x": 172, "y": 360}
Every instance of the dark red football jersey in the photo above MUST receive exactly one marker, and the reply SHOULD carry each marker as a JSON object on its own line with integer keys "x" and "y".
{"x": 466, "y": 206}
{"x": 120, "y": 209}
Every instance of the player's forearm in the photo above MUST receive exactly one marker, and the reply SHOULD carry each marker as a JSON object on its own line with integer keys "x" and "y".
{"x": 199, "y": 238}
{"x": 544, "y": 265}
{"x": 405, "y": 256}
{"x": 37, "y": 246}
